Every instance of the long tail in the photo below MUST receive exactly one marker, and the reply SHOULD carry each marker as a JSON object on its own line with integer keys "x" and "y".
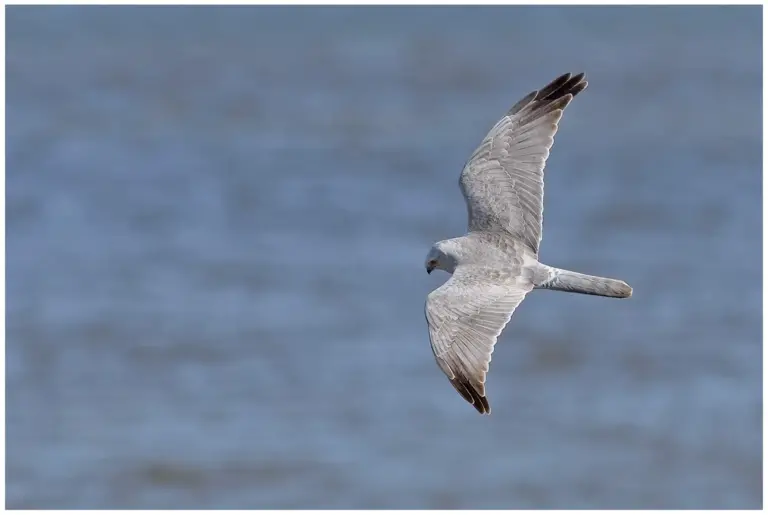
{"x": 565, "y": 280}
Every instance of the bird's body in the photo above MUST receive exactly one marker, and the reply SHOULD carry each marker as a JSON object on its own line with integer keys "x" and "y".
{"x": 496, "y": 263}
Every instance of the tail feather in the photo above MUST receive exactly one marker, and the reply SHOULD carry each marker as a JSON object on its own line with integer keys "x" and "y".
{"x": 565, "y": 280}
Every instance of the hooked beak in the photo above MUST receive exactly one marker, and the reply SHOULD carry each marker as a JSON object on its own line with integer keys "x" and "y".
{"x": 430, "y": 268}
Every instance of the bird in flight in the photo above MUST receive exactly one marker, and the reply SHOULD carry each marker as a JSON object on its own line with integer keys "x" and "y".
{"x": 496, "y": 263}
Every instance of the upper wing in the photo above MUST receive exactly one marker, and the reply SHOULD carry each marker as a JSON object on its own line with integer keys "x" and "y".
{"x": 465, "y": 317}
{"x": 502, "y": 182}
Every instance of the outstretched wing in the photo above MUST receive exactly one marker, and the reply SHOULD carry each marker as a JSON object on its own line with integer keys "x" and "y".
{"x": 465, "y": 317}
{"x": 502, "y": 182}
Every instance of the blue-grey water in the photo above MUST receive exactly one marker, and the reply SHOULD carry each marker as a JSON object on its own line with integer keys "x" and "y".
{"x": 217, "y": 221}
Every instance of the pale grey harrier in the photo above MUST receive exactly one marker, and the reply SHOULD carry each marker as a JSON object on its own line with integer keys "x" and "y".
{"x": 496, "y": 263}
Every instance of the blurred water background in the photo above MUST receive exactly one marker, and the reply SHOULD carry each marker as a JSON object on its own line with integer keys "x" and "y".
{"x": 217, "y": 220}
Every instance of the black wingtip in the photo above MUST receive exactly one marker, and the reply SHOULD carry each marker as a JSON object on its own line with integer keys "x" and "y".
{"x": 578, "y": 88}
{"x": 555, "y": 95}
{"x": 554, "y": 86}
{"x": 563, "y": 85}
{"x": 577, "y": 84}
{"x": 471, "y": 395}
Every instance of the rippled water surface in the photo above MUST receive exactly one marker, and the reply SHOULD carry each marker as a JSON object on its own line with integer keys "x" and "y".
{"x": 216, "y": 227}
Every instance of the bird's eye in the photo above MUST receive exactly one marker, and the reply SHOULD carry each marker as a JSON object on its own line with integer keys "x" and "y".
{"x": 433, "y": 262}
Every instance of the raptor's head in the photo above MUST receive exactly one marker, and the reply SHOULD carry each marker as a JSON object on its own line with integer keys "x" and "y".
{"x": 441, "y": 257}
